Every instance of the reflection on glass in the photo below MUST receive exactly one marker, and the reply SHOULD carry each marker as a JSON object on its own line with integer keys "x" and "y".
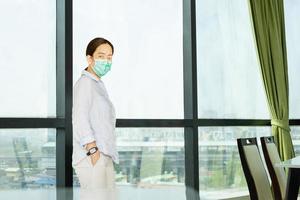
{"x": 27, "y": 158}
{"x": 99, "y": 194}
{"x": 219, "y": 162}
{"x": 151, "y": 156}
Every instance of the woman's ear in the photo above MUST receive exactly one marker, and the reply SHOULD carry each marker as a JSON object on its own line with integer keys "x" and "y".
{"x": 89, "y": 59}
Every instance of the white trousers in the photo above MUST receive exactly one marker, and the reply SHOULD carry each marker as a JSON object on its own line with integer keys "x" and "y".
{"x": 97, "y": 182}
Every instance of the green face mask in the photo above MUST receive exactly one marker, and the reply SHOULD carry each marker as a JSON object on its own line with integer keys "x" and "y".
{"x": 101, "y": 67}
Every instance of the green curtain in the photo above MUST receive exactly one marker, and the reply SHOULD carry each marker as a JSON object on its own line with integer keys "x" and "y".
{"x": 269, "y": 30}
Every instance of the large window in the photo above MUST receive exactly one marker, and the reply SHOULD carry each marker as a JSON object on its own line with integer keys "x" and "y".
{"x": 292, "y": 9}
{"x": 146, "y": 79}
{"x": 230, "y": 86}
{"x": 27, "y": 58}
{"x": 229, "y": 81}
{"x": 151, "y": 156}
{"x": 27, "y": 161}
{"x": 28, "y": 90}
{"x": 145, "y": 85}
{"x": 151, "y": 163}
{"x": 295, "y": 132}
{"x": 220, "y": 170}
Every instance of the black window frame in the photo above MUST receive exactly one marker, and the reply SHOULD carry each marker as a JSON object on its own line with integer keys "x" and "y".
{"x": 64, "y": 87}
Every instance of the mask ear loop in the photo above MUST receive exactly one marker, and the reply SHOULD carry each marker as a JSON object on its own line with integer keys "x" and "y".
{"x": 90, "y": 60}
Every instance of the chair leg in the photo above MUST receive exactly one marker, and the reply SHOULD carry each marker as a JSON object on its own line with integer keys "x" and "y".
{"x": 293, "y": 183}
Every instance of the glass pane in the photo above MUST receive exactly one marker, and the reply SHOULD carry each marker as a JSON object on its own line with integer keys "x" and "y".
{"x": 295, "y": 133}
{"x": 27, "y": 58}
{"x": 28, "y": 163}
{"x": 292, "y": 12}
{"x": 229, "y": 81}
{"x": 221, "y": 173}
{"x": 146, "y": 78}
{"x": 151, "y": 164}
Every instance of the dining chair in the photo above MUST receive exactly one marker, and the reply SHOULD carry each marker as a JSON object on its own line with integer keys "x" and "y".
{"x": 277, "y": 174}
{"x": 254, "y": 170}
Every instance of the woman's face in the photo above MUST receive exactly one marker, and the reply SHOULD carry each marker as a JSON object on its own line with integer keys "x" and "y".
{"x": 103, "y": 52}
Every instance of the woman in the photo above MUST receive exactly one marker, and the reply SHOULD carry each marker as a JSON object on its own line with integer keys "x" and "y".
{"x": 94, "y": 141}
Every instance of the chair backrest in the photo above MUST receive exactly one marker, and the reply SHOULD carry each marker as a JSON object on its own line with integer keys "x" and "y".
{"x": 278, "y": 176}
{"x": 254, "y": 170}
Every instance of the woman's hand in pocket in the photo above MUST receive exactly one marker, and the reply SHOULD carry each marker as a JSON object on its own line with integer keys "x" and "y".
{"x": 95, "y": 157}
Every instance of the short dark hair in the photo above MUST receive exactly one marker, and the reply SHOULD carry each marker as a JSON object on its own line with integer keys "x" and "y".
{"x": 96, "y": 42}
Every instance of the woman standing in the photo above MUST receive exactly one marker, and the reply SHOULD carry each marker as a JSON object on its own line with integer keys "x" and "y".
{"x": 94, "y": 120}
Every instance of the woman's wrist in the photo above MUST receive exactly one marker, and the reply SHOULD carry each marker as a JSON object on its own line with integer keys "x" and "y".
{"x": 90, "y": 145}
